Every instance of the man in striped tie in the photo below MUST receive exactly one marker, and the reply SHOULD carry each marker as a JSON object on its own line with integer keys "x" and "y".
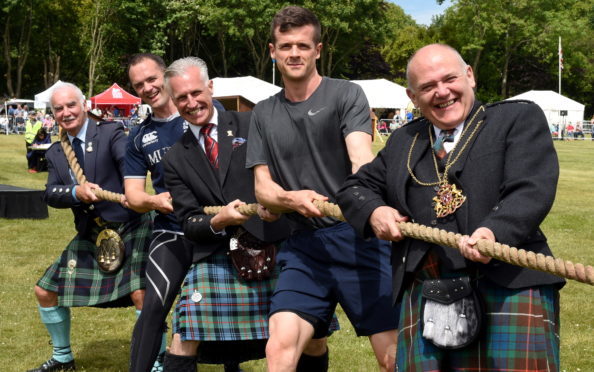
{"x": 207, "y": 167}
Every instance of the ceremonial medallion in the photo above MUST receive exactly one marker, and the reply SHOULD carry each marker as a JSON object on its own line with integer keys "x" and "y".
{"x": 447, "y": 200}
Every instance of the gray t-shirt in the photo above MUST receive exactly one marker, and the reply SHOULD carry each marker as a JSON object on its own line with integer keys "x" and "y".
{"x": 303, "y": 142}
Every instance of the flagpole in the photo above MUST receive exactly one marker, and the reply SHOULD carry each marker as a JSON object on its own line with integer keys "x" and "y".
{"x": 560, "y": 63}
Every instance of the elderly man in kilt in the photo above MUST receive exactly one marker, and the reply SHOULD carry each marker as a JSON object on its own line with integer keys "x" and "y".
{"x": 77, "y": 278}
{"x": 486, "y": 172}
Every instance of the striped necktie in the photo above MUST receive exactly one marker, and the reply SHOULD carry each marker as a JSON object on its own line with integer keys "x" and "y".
{"x": 444, "y": 136}
{"x": 211, "y": 147}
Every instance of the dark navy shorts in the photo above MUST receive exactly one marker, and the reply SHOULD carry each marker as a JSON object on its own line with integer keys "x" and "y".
{"x": 320, "y": 268}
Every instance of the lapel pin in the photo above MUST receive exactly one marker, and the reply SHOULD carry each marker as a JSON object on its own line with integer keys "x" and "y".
{"x": 229, "y": 133}
{"x": 90, "y": 147}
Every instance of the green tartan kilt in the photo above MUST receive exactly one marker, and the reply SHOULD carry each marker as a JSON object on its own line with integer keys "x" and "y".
{"x": 76, "y": 276}
{"x": 521, "y": 331}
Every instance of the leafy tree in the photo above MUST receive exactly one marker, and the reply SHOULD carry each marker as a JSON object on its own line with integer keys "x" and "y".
{"x": 17, "y": 19}
{"x": 403, "y": 38}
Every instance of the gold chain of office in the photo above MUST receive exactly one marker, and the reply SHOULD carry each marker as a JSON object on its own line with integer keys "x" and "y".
{"x": 519, "y": 257}
{"x": 448, "y": 197}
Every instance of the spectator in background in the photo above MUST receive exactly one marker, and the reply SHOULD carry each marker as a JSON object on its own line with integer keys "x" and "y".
{"x": 11, "y": 114}
{"x": 48, "y": 123}
{"x": 396, "y": 121}
{"x": 32, "y": 127}
{"x": 569, "y": 130}
{"x": 19, "y": 119}
{"x": 579, "y": 130}
{"x": 409, "y": 116}
{"x": 37, "y": 157}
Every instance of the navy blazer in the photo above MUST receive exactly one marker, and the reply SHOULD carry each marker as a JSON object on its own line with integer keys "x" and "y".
{"x": 508, "y": 172}
{"x": 105, "y": 148}
{"x": 194, "y": 184}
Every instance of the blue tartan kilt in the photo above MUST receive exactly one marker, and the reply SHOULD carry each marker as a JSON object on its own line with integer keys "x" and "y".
{"x": 216, "y": 305}
{"x": 76, "y": 276}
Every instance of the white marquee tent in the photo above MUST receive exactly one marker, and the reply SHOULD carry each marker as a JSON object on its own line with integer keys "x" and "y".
{"x": 249, "y": 87}
{"x": 382, "y": 93}
{"x": 552, "y": 103}
{"x": 42, "y": 99}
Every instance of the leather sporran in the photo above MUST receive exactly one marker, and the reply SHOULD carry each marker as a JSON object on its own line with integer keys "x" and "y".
{"x": 252, "y": 258}
{"x": 451, "y": 312}
{"x": 111, "y": 252}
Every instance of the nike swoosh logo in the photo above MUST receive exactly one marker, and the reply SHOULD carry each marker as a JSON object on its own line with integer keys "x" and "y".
{"x": 314, "y": 113}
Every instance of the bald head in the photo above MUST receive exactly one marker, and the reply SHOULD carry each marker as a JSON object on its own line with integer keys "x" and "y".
{"x": 427, "y": 52}
{"x": 441, "y": 85}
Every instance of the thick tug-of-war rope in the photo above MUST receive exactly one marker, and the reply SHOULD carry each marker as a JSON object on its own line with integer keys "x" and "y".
{"x": 78, "y": 172}
{"x": 502, "y": 252}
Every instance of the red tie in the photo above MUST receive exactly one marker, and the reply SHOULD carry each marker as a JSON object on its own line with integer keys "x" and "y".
{"x": 211, "y": 147}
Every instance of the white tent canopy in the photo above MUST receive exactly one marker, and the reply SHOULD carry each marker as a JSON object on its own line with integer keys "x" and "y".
{"x": 382, "y": 93}
{"x": 42, "y": 99}
{"x": 552, "y": 103}
{"x": 249, "y": 87}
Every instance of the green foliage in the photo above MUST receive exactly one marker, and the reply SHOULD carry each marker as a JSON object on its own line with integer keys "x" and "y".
{"x": 511, "y": 44}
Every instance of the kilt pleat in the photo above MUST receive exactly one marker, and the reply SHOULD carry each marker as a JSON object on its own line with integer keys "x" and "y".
{"x": 76, "y": 276}
{"x": 215, "y": 305}
{"x": 521, "y": 331}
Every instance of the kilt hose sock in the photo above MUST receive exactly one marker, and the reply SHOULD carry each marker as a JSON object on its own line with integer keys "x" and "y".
{"x": 57, "y": 322}
{"x": 310, "y": 363}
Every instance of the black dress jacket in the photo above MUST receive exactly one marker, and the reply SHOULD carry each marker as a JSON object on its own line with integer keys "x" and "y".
{"x": 195, "y": 184}
{"x": 105, "y": 149}
{"x": 507, "y": 168}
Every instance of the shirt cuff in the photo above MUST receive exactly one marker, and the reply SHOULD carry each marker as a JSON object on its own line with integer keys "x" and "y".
{"x": 220, "y": 233}
{"x": 74, "y": 194}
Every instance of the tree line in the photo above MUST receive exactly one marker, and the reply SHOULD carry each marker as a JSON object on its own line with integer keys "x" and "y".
{"x": 511, "y": 44}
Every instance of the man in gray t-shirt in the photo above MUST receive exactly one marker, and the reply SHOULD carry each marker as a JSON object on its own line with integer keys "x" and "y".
{"x": 304, "y": 142}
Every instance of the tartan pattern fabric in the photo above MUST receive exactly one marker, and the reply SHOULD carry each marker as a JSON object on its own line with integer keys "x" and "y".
{"x": 521, "y": 331}
{"x": 77, "y": 279}
{"x": 215, "y": 305}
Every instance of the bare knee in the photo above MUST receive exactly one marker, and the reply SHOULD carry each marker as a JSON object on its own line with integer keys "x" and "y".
{"x": 137, "y": 298}
{"x": 46, "y": 298}
{"x": 183, "y": 348}
{"x": 289, "y": 335}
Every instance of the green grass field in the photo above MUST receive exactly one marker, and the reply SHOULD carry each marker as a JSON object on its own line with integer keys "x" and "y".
{"x": 100, "y": 338}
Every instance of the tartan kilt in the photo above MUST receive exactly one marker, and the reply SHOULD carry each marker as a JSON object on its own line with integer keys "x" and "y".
{"x": 521, "y": 331}
{"x": 76, "y": 276}
{"x": 216, "y": 305}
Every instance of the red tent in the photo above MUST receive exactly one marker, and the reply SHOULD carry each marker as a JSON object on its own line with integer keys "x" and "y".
{"x": 115, "y": 97}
